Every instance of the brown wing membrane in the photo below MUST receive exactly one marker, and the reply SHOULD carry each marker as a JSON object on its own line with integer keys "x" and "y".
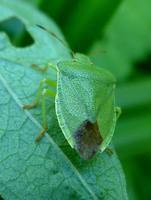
{"x": 87, "y": 139}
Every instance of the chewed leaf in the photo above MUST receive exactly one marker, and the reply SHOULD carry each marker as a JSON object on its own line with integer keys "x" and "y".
{"x": 87, "y": 139}
{"x": 85, "y": 98}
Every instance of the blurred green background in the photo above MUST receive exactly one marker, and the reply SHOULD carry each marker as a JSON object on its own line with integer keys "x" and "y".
{"x": 116, "y": 34}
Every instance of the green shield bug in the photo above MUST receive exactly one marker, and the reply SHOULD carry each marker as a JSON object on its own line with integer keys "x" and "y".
{"x": 85, "y": 105}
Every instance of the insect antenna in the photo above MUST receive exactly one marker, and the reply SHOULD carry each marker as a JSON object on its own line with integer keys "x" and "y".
{"x": 59, "y": 39}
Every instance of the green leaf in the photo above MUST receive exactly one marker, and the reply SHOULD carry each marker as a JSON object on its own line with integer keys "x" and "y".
{"x": 134, "y": 132}
{"x": 134, "y": 94}
{"x": 126, "y": 38}
{"x": 43, "y": 170}
{"x": 56, "y": 8}
{"x": 87, "y": 21}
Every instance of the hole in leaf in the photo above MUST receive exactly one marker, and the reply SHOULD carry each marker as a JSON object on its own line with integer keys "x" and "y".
{"x": 16, "y": 31}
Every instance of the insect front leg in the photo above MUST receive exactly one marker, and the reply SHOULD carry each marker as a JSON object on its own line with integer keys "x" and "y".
{"x": 40, "y": 92}
{"x": 37, "y": 99}
{"x": 44, "y": 68}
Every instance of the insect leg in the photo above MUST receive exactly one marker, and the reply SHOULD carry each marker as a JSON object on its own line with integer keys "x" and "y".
{"x": 45, "y": 93}
{"x": 37, "y": 99}
{"x": 35, "y": 103}
{"x": 109, "y": 151}
{"x": 118, "y": 112}
{"x": 35, "y": 66}
{"x": 44, "y": 68}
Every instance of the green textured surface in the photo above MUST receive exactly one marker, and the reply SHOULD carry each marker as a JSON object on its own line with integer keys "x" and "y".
{"x": 85, "y": 92}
